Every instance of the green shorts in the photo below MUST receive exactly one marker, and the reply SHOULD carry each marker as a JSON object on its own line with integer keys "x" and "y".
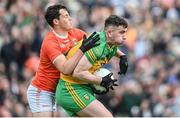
{"x": 73, "y": 97}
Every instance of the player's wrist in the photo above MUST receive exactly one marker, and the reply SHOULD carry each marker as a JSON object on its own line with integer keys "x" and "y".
{"x": 80, "y": 53}
{"x": 99, "y": 80}
{"x": 123, "y": 56}
{"x": 83, "y": 49}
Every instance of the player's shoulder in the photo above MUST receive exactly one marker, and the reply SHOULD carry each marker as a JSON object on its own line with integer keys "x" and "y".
{"x": 49, "y": 38}
{"x": 49, "y": 35}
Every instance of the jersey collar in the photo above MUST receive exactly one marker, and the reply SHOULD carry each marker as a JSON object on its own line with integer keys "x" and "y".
{"x": 59, "y": 36}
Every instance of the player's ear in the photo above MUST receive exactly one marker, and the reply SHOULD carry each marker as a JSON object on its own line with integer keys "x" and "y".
{"x": 55, "y": 21}
{"x": 109, "y": 32}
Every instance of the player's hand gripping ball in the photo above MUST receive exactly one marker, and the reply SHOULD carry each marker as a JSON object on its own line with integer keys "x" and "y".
{"x": 108, "y": 81}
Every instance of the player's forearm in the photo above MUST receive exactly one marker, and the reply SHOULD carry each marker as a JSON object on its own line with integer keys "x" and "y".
{"x": 71, "y": 63}
{"x": 86, "y": 76}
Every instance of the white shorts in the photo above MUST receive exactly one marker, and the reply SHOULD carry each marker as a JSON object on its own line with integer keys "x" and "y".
{"x": 40, "y": 100}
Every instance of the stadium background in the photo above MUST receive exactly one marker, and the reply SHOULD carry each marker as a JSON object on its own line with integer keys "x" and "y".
{"x": 151, "y": 86}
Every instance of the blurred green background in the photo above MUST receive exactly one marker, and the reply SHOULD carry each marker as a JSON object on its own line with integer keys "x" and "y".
{"x": 151, "y": 86}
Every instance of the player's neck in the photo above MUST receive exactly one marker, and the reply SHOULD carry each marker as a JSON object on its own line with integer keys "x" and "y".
{"x": 110, "y": 45}
{"x": 60, "y": 33}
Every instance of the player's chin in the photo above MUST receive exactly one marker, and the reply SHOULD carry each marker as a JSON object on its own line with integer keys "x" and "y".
{"x": 120, "y": 43}
{"x": 69, "y": 28}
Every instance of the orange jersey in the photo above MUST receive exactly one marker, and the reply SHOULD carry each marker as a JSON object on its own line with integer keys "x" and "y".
{"x": 53, "y": 45}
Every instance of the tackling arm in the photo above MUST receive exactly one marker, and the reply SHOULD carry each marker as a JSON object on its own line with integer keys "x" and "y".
{"x": 67, "y": 66}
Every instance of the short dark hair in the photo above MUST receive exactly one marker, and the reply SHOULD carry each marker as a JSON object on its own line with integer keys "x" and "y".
{"x": 114, "y": 20}
{"x": 52, "y": 12}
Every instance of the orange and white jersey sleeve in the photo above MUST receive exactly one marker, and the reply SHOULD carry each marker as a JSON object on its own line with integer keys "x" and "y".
{"x": 52, "y": 48}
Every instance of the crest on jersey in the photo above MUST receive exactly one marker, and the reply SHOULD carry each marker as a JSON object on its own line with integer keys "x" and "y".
{"x": 86, "y": 96}
{"x": 74, "y": 41}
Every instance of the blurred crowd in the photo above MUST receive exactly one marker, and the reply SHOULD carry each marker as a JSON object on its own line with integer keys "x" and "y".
{"x": 151, "y": 86}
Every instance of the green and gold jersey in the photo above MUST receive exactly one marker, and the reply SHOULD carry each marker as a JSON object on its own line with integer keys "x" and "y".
{"x": 97, "y": 56}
